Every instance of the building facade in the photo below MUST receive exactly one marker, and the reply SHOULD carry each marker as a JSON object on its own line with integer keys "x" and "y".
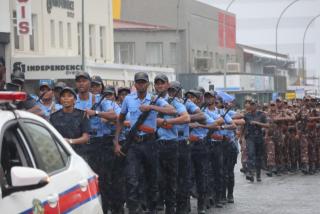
{"x": 205, "y": 36}
{"x": 256, "y": 26}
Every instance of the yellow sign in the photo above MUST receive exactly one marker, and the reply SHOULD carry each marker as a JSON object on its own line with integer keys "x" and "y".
{"x": 290, "y": 95}
{"x": 116, "y": 4}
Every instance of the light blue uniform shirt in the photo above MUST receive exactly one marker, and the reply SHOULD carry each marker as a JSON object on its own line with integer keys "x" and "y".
{"x": 46, "y": 109}
{"x": 132, "y": 103}
{"x": 95, "y": 129}
{"x": 202, "y": 132}
{"x": 184, "y": 128}
{"x": 171, "y": 134}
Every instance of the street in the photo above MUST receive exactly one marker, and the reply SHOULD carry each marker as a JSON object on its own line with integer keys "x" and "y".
{"x": 286, "y": 194}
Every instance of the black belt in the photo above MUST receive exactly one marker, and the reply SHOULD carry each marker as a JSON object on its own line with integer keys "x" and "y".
{"x": 167, "y": 142}
{"x": 144, "y": 138}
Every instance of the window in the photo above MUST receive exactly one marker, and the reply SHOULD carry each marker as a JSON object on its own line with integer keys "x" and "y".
{"x": 79, "y": 37}
{"x": 33, "y": 38}
{"x": 124, "y": 52}
{"x": 92, "y": 41}
{"x": 53, "y": 32}
{"x": 217, "y": 61}
{"x": 69, "y": 35}
{"x": 102, "y": 42}
{"x": 154, "y": 53}
{"x": 173, "y": 54}
{"x": 18, "y": 40}
{"x": 60, "y": 34}
{"x": 49, "y": 155}
{"x": 11, "y": 152}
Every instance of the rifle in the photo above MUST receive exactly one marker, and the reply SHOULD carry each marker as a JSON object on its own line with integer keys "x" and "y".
{"x": 96, "y": 105}
{"x": 170, "y": 100}
{"x": 135, "y": 128}
{"x": 223, "y": 116}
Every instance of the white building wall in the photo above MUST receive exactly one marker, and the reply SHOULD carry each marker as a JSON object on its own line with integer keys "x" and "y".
{"x": 97, "y": 13}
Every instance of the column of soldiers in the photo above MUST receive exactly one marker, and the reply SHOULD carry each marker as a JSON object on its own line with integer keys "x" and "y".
{"x": 291, "y": 137}
{"x": 181, "y": 144}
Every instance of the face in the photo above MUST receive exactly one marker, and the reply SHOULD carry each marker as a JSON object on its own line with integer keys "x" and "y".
{"x": 253, "y": 106}
{"x": 273, "y": 107}
{"x": 141, "y": 86}
{"x": 219, "y": 104}
{"x": 110, "y": 96}
{"x": 279, "y": 103}
{"x": 247, "y": 106}
{"x": 122, "y": 95}
{"x": 209, "y": 99}
{"x": 161, "y": 86}
{"x": 44, "y": 90}
{"x": 67, "y": 99}
{"x": 83, "y": 85}
{"x": 96, "y": 88}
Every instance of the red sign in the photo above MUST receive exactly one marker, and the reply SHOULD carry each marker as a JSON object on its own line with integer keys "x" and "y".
{"x": 227, "y": 31}
{"x": 24, "y": 21}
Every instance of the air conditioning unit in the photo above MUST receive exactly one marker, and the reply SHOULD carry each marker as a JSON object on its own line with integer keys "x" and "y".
{"x": 233, "y": 67}
{"x": 202, "y": 64}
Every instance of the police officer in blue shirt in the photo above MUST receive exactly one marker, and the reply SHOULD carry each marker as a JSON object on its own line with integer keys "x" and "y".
{"x": 143, "y": 150}
{"x": 168, "y": 144}
{"x": 199, "y": 152}
{"x": 56, "y": 91}
{"x": 100, "y": 148}
{"x": 229, "y": 151}
{"x": 45, "y": 100}
{"x": 184, "y": 153}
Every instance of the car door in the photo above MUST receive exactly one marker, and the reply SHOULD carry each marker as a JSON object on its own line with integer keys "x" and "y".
{"x": 14, "y": 151}
{"x": 74, "y": 188}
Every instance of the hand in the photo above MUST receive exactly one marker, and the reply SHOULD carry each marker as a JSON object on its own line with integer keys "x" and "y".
{"x": 117, "y": 149}
{"x": 160, "y": 121}
{"x": 90, "y": 112}
{"x": 254, "y": 123}
{"x": 144, "y": 108}
{"x": 194, "y": 125}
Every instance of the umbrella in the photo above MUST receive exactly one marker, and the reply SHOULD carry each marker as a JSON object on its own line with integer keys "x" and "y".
{"x": 225, "y": 96}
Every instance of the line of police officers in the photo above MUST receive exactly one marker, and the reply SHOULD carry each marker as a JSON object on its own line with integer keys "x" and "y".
{"x": 186, "y": 146}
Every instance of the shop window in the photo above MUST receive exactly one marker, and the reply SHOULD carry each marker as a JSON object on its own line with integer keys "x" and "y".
{"x": 61, "y": 34}
{"x": 102, "y": 42}
{"x": 52, "y": 34}
{"x": 92, "y": 41}
{"x": 79, "y": 37}
{"x": 33, "y": 38}
{"x": 69, "y": 35}
{"x": 18, "y": 40}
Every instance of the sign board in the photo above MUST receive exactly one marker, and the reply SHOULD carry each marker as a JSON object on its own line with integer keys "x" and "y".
{"x": 290, "y": 96}
{"x": 37, "y": 68}
{"x": 24, "y": 20}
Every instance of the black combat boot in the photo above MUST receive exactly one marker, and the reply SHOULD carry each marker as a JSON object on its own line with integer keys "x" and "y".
{"x": 201, "y": 204}
{"x": 218, "y": 200}
{"x": 230, "y": 191}
{"x": 304, "y": 169}
{"x": 269, "y": 173}
{"x": 249, "y": 176}
{"x": 258, "y": 173}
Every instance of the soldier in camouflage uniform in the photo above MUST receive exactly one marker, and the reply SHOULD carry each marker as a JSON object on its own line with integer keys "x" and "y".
{"x": 242, "y": 141}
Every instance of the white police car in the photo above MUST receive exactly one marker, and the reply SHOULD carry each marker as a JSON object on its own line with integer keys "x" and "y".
{"x": 39, "y": 171}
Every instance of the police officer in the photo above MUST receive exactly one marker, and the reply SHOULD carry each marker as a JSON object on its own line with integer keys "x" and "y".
{"x": 168, "y": 145}
{"x": 45, "y": 100}
{"x": 17, "y": 84}
{"x": 142, "y": 152}
{"x": 199, "y": 153}
{"x": 97, "y": 86}
{"x": 56, "y": 91}
{"x": 77, "y": 132}
{"x": 99, "y": 151}
{"x": 118, "y": 190}
{"x": 255, "y": 121}
{"x": 184, "y": 152}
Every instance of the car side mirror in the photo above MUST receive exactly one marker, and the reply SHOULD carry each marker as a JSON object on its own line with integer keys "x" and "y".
{"x": 26, "y": 178}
